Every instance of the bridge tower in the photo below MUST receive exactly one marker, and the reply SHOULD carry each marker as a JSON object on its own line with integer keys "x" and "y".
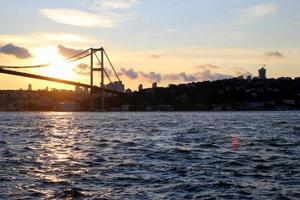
{"x": 93, "y": 52}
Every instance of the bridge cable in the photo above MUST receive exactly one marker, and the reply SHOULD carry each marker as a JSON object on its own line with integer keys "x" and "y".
{"x": 24, "y": 67}
{"x": 105, "y": 72}
{"x": 111, "y": 65}
{"x": 78, "y": 58}
{"x": 77, "y": 55}
{"x": 47, "y": 64}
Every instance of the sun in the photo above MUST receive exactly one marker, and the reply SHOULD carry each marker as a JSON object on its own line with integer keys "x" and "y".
{"x": 58, "y": 68}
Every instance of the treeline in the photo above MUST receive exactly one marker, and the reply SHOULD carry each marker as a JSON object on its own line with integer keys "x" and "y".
{"x": 230, "y": 94}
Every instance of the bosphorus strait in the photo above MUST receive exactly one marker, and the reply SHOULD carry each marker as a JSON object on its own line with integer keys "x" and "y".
{"x": 150, "y": 155}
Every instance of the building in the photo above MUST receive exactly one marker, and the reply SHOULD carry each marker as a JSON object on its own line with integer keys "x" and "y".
{"x": 69, "y": 106}
{"x": 29, "y": 87}
{"x": 128, "y": 91}
{"x": 117, "y": 85}
{"x": 249, "y": 78}
{"x": 284, "y": 78}
{"x": 154, "y": 85}
{"x": 78, "y": 89}
{"x": 126, "y": 107}
{"x": 262, "y": 73}
{"x": 240, "y": 77}
{"x": 86, "y": 90}
{"x": 140, "y": 87}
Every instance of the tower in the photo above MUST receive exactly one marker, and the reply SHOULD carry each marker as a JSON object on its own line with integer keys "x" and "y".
{"x": 29, "y": 87}
{"x": 262, "y": 73}
{"x": 154, "y": 85}
{"x": 92, "y": 70}
{"x": 140, "y": 87}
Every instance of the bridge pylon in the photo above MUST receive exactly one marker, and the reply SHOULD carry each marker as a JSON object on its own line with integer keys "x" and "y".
{"x": 93, "y": 52}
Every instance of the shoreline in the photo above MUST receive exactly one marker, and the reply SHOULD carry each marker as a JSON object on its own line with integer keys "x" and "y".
{"x": 141, "y": 111}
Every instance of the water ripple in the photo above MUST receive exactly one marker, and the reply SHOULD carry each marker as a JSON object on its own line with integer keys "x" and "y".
{"x": 214, "y": 155}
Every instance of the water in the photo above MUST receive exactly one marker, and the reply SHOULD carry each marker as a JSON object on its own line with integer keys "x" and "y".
{"x": 213, "y": 155}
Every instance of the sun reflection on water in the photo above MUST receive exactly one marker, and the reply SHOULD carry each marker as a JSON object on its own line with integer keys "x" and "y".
{"x": 60, "y": 155}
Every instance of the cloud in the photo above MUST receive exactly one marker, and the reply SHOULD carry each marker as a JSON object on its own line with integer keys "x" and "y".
{"x": 261, "y": 10}
{"x": 77, "y": 17}
{"x": 66, "y": 37}
{"x": 243, "y": 73}
{"x": 82, "y": 69}
{"x": 187, "y": 77}
{"x": 116, "y": 4}
{"x": 130, "y": 73}
{"x": 105, "y": 14}
{"x": 157, "y": 77}
{"x": 19, "y": 52}
{"x": 206, "y": 74}
{"x": 155, "y": 56}
{"x": 274, "y": 54}
{"x": 68, "y": 52}
{"x": 203, "y": 75}
{"x": 151, "y": 76}
{"x": 38, "y": 39}
{"x": 180, "y": 77}
{"x": 168, "y": 31}
{"x": 207, "y": 66}
{"x": 257, "y": 12}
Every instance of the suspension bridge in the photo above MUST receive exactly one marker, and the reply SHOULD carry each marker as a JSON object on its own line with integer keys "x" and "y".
{"x": 95, "y": 54}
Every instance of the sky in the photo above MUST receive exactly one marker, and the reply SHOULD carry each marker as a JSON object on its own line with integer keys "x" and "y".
{"x": 164, "y": 41}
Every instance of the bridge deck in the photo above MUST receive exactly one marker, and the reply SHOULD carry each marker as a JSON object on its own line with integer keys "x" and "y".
{"x": 28, "y": 75}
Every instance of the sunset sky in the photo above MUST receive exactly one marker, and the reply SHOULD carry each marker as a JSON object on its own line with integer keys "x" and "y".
{"x": 164, "y": 41}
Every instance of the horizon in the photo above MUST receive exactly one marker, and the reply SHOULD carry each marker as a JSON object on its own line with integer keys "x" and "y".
{"x": 47, "y": 88}
{"x": 169, "y": 42}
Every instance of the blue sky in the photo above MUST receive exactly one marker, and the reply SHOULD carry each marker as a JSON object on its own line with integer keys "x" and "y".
{"x": 167, "y": 37}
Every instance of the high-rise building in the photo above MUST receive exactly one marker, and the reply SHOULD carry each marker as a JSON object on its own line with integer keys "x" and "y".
{"x": 77, "y": 89}
{"x": 29, "y": 87}
{"x": 140, "y": 87}
{"x": 262, "y": 73}
{"x": 154, "y": 85}
{"x": 117, "y": 85}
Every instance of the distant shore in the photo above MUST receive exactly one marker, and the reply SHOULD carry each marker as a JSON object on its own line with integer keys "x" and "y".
{"x": 237, "y": 94}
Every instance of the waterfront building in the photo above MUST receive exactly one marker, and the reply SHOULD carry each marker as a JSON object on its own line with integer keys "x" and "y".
{"x": 77, "y": 89}
{"x": 69, "y": 106}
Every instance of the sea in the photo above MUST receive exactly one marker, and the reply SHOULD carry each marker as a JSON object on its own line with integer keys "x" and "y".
{"x": 150, "y": 155}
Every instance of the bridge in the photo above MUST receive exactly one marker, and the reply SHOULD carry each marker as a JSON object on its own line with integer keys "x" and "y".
{"x": 92, "y": 53}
